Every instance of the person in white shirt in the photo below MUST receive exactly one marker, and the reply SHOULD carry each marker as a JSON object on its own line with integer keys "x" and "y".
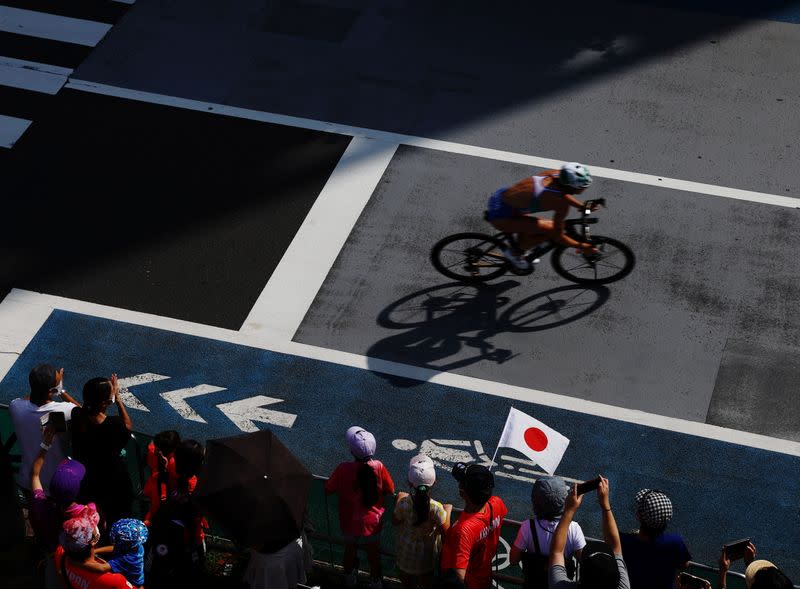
{"x": 28, "y": 415}
{"x": 547, "y": 496}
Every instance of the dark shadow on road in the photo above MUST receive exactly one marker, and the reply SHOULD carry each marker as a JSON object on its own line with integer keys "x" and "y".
{"x": 154, "y": 197}
{"x": 450, "y": 326}
{"x": 165, "y": 211}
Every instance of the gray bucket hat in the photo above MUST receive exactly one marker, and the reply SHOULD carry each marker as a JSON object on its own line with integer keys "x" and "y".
{"x": 548, "y": 496}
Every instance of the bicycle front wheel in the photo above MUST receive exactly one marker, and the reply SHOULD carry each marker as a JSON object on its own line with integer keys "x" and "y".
{"x": 469, "y": 257}
{"x": 614, "y": 261}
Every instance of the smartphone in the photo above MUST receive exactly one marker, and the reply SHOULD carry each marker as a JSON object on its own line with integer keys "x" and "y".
{"x": 735, "y": 550}
{"x": 57, "y": 421}
{"x": 691, "y": 581}
{"x": 587, "y": 486}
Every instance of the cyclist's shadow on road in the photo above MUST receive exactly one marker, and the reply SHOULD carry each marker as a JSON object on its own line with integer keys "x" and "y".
{"x": 440, "y": 322}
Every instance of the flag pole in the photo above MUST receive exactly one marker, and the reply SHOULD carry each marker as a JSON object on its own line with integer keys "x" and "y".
{"x": 492, "y": 463}
{"x": 500, "y": 441}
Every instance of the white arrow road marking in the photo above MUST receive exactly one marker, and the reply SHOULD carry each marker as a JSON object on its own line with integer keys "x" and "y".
{"x": 128, "y": 397}
{"x": 247, "y": 411}
{"x": 176, "y": 400}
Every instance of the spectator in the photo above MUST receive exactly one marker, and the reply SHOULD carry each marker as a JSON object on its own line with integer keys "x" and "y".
{"x": 361, "y": 485}
{"x": 653, "y": 557}
{"x": 163, "y": 478}
{"x": 285, "y": 566}
{"x": 177, "y": 531}
{"x": 75, "y": 558}
{"x": 161, "y": 452}
{"x": 27, "y": 414}
{"x": 127, "y": 551}
{"x": 470, "y": 543}
{"x": 535, "y": 535}
{"x": 47, "y": 513}
{"x": 98, "y": 441}
{"x": 189, "y": 458}
{"x": 762, "y": 574}
{"x": 422, "y": 521}
{"x": 599, "y": 568}
{"x": 759, "y": 574}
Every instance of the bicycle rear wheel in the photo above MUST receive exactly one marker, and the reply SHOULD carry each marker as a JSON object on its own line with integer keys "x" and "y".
{"x": 614, "y": 261}
{"x": 469, "y": 257}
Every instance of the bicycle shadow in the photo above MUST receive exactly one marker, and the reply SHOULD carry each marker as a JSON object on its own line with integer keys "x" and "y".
{"x": 441, "y": 321}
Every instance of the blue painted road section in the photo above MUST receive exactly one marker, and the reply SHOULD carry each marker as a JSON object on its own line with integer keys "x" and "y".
{"x": 720, "y": 491}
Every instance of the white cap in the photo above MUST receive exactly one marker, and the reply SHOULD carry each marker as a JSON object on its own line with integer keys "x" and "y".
{"x": 421, "y": 471}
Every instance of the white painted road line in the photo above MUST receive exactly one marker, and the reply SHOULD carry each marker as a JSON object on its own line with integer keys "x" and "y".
{"x": 30, "y": 75}
{"x": 19, "y": 322}
{"x": 11, "y": 129}
{"x": 245, "y": 413}
{"x": 52, "y": 26}
{"x": 177, "y": 400}
{"x": 24, "y": 331}
{"x": 291, "y": 289}
{"x": 447, "y": 146}
{"x": 131, "y": 400}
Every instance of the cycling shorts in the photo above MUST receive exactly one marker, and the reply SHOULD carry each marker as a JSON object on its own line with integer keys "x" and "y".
{"x": 496, "y": 208}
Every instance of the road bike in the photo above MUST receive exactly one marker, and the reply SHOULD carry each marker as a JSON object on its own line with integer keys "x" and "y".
{"x": 478, "y": 257}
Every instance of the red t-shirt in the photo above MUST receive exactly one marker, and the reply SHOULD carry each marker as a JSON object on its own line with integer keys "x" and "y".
{"x": 471, "y": 543}
{"x": 80, "y": 578}
{"x": 355, "y": 518}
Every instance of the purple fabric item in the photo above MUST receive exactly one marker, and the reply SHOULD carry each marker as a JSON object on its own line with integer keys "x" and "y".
{"x": 46, "y": 521}
{"x": 66, "y": 481}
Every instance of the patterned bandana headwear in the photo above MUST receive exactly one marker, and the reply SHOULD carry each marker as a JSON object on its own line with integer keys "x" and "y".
{"x": 128, "y": 533}
{"x": 81, "y": 531}
{"x": 654, "y": 509}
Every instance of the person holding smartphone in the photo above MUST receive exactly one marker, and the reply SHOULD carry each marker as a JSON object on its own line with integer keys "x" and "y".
{"x": 532, "y": 545}
{"x": 601, "y": 567}
{"x": 29, "y": 416}
{"x": 686, "y": 581}
{"x": 730, "y": 553}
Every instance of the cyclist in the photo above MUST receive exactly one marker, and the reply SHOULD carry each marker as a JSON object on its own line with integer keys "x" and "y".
{"x": 512, "y": 209}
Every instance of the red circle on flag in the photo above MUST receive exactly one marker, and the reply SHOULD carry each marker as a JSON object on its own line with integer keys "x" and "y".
{"x": 536, "y": 439}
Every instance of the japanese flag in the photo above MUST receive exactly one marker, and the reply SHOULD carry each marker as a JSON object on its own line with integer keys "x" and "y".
{"x": 543, "y": 445}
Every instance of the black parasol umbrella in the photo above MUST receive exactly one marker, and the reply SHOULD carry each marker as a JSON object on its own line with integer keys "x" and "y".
{"x": 254, "y": 488}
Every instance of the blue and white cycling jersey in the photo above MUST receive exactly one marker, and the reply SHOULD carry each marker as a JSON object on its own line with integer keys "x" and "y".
{"x": 496, "y": 208}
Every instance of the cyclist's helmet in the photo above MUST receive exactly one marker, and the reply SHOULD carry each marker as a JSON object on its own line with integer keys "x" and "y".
{"x": 575, "y": 175}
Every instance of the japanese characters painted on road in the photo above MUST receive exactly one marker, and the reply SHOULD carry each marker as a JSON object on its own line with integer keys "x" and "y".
{"x": 540, "y": 443}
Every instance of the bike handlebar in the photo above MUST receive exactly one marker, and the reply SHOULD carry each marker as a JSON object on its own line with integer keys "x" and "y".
{"x": 590, "y": 205}
{"x": 600, "y": 202}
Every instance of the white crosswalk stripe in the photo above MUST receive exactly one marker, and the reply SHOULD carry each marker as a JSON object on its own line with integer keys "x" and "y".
{"x": 62, "y": 38}
{"x": 52, "y": 26}
{"x": 11, "y": 129}
{"x": 30, "y": 75}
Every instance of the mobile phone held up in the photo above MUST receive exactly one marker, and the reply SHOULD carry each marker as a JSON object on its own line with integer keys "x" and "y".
{"x": 56, "y": 420}
{"x": 587, "y": 486}
{"x": 736, "y": 550}
{"x": 691, "y": 582}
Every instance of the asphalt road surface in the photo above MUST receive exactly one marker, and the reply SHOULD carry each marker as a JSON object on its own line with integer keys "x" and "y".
{"x": 233, "y": 208}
